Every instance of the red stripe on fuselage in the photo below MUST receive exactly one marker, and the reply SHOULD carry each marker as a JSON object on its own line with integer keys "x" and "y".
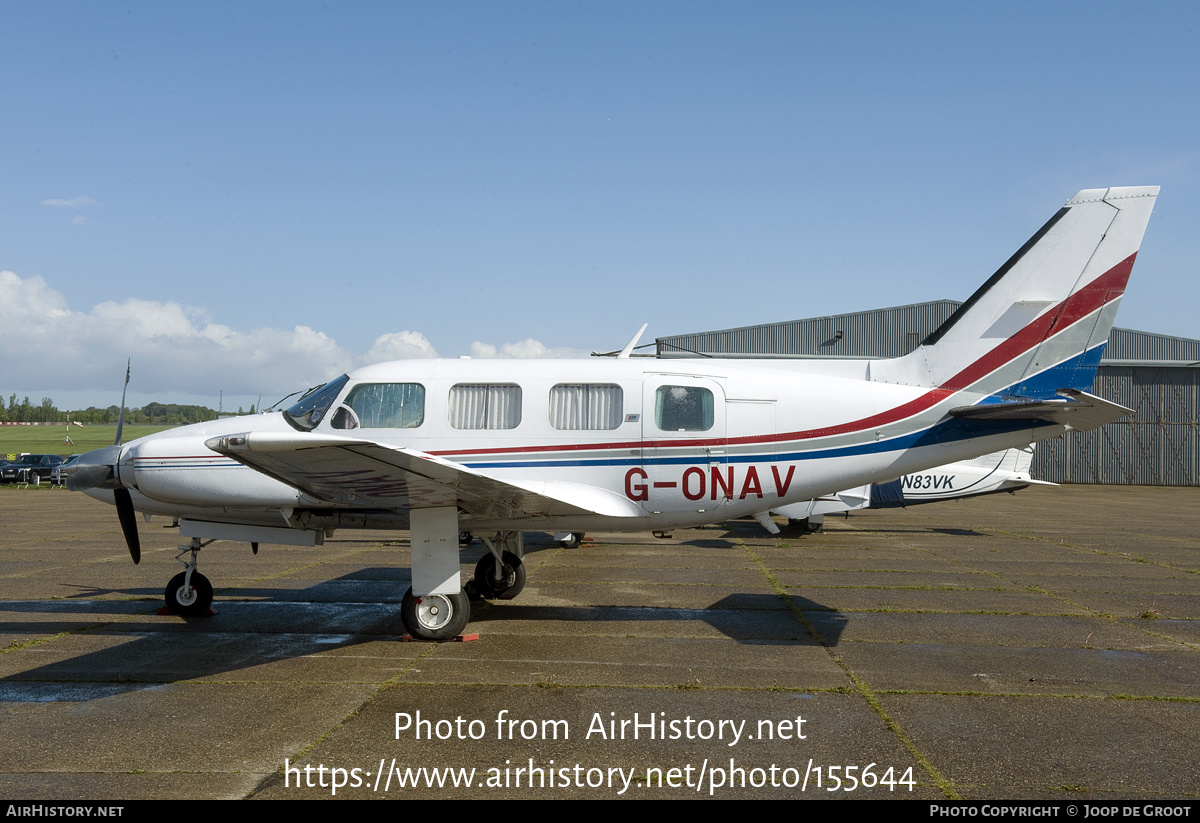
{"x": 1077, "y": 306}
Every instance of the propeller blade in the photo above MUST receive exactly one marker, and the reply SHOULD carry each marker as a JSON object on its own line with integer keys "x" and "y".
{"x": 121, "y": 414}
{"x": 100, "y": 469}
{"x": 128, "y": 519}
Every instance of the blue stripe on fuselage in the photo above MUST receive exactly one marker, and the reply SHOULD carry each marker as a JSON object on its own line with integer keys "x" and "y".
{"x": 948, "y": 431}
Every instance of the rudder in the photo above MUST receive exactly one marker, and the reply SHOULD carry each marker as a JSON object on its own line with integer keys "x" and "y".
{"x": 1041, "y": 321}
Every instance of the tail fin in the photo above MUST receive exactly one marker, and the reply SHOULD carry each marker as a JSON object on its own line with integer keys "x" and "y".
{"x": 1040, "y": 323}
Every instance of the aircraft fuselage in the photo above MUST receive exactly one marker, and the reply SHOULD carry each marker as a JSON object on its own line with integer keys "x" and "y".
{"x": 681, "y": 441}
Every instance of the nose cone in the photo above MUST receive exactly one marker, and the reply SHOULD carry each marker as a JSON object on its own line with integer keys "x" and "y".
{"x": 99, "y": 469}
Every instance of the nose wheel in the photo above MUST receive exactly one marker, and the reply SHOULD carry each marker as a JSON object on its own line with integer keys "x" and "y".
{"x": 192, "y": 600}
{"x": 435, "y": 616}
{"x": 189, "y": 592}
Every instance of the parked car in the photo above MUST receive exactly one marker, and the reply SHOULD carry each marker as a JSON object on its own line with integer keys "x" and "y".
{"x": 56, "y": 474}
{"x": 30, "y": 468}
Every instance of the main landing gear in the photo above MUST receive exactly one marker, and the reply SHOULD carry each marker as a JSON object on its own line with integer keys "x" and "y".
{"x": 807, "y": 525}
{"x": 499, "y": 575}
{"x": 435, "y": 616}
{"x": 569, "y": 540}
{"x": 189, "y": 593}
{"x": 502, "y": 581}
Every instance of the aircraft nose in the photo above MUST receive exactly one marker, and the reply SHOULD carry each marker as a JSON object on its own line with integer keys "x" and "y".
{"x": 98, "y": 469}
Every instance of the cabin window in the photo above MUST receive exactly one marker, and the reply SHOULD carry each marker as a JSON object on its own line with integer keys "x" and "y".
{"x": 388, "y": 405}
{"x": 485, "y": 406}
{"x": 595, "y": 406}
{"x": 683, "y": 409}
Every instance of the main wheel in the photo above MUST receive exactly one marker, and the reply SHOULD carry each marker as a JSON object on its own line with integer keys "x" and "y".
{"x": 193, "y": 602}
{"x": 512, "y": 577}
{"x": 435, "y": 616}
{"x": 572, "y": 541}
{"x": 805, "y": 526}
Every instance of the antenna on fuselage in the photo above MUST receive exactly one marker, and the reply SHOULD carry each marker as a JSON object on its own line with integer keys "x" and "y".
{"x": 625, "y": 352}
{"x": 630, "y": 347}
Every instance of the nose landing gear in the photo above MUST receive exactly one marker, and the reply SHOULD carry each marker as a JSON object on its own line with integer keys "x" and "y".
{"x": 189, "y": 593}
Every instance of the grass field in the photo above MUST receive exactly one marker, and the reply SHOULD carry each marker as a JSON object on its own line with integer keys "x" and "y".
{"x": 49, "y": 439}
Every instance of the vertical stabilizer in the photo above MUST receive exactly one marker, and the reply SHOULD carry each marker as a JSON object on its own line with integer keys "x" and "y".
{"x": 1040, "y": 323}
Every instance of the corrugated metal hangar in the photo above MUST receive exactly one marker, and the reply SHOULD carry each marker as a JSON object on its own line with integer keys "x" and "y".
{"x": 1155, "y": 375}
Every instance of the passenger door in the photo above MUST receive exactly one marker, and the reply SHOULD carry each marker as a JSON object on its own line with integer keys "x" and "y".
{"x": 683, "y": 445}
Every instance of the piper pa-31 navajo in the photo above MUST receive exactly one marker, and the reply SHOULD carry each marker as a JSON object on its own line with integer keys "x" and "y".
{"x": 634, "y": 444}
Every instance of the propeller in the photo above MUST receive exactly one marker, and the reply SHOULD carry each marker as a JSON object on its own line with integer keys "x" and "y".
{"x": 128, "y": 518}
{"x": 100, "y": 469}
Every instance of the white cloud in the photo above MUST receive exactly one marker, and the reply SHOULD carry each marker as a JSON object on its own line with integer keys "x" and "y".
{"x": 73, "y": 203}
{"x": 401, "y": 345}
{"x": 180, "y": 350}
{"x": 525, "y": 349}
{"x": 27, "y": 301}
{"x": 49, "y": 346}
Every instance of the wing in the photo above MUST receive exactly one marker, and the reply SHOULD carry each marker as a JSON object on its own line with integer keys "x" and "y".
{"x": 356, "y": 473}
{"x": 1081, "y": 413}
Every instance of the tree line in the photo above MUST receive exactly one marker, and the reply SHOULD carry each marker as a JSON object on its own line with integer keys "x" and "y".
{"x": 162, "y": 414}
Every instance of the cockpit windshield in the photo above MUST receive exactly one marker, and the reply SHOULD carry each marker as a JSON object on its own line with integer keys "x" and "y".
{"x": 308, "y": 411}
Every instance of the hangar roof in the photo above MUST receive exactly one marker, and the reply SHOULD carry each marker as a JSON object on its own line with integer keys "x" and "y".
{"x": 893, "y": 332}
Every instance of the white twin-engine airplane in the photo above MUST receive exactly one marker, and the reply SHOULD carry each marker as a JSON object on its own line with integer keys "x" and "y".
{"x": 1006, "y": 471}
{"x": 634, "y": 444}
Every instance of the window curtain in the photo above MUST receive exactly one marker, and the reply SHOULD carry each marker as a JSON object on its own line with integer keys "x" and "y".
{"x": 485, "y": 406}
{"x": 586, "y": 406}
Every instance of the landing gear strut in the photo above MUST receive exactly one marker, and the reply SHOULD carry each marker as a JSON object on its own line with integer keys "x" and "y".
{"x": 189, "y": 592}
{"x": 435, "y": 607}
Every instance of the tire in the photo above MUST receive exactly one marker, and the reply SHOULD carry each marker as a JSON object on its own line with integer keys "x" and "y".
{"x": 191, "y": 604}
{"x": 435, "y": 617}
{"x": 512, "y": 577}
{"x": 804, "y": 526}
{"x": 572, "y": 542}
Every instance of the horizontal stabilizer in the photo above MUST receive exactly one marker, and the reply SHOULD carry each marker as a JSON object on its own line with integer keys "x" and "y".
{"x": 1082, "y": 412}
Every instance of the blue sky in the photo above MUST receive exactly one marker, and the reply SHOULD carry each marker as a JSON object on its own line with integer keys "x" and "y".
{"x": 253, "y": 197}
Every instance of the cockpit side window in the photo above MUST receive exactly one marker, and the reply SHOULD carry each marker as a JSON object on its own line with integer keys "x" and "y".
{"x": 388, "y": 405}
{"x": 308, "y": 411}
